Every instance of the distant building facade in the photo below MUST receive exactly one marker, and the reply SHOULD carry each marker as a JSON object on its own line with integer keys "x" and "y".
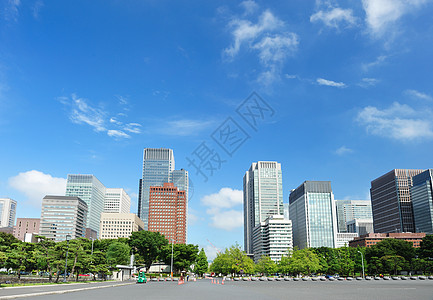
{"x": 26, "y": 226}
{"x": 391, "y": 201}
{"x": 360, "y": 226}
{"x": 116, "y": 200}
{"x": 263, "y": 197}
{"x": 352, "y": 209}
{"x": 313, "y": 213}
{"x": 422, "y": 201}
{"x": 89, "y": 189}
{"x": 272, "y": 238}
{"x": 62, "y": 216}
{"x": 119, "y": 225}
{"x": 343, "y": 239}
{"x": 371, "y": 239}
{"x": 167, "y": 212}
{"x": 8, "y": 211}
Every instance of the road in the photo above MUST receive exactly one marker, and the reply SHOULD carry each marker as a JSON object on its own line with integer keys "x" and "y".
{"x": 204, "y": 289}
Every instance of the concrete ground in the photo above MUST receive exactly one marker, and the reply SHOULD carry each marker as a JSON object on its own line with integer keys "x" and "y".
{"x": 204, "y": 289}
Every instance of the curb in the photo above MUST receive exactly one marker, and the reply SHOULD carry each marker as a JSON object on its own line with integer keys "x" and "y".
{"x": 62, "y": 292}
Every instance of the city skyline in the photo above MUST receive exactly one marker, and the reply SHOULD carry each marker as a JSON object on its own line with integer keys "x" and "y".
{"x": 344, "y": 90}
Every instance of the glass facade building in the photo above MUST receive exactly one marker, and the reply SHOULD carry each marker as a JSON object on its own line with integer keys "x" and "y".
{"x": 422, "y": 201}
{"x": 391, "y": 201}
{"x": 89, "y": 189}
{"x": 313, "y": 214}
{"x": 8, "y": 210}
{"x": 348, "y": 210}
{"x": 117, "y": 200}
{"x": 263, "y": 197}
{"x": 62, "y": 216}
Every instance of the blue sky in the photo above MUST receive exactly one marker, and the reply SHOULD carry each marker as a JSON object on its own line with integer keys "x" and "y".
{"x": 86, "y": 85}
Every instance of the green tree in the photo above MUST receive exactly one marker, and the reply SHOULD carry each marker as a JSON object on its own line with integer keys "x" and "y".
{"x": 118, "y": 254}
{"x": 20, "y": 257}
{"x": 284, "y": 265}
{"x": 148, "y": 245}
{"x": 393, "y": 263}
{"x": 184, "y": 255}
{"x": 266, "y": 265}
{"x": 201, "y": 265}
{"x": 426, "y": 247}
{"x": 304, "y": 261}
{"x": 232, "y": 261}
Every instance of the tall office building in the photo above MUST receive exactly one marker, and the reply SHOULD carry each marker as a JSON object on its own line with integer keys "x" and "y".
{"x": 263, "y": 197}
{"x": 391, "y": 202}
{"x": 360, "y": 226}
{"x": 62, "y": 216}
{"x": 167, "y": 212}
{"x": 313, "y": 214}
{"x": 8, "y": 210}
{"x": 272, "y": 238}
{"x": 352, "y": 209}
{"x": 422, "y": 201}
{"x": 91, "y": 191}
{"x": 26, "y": 226}
{"x": 157, "y": 167}
{"x": 116, "y": 201}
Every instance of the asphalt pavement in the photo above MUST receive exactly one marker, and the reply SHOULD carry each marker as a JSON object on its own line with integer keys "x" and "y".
{"x": 204, "y": 289}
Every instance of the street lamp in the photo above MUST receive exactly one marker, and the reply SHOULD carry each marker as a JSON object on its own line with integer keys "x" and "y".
{"x": 171, "y": 269}
{"x": 362, "y": 260}
{"x": 67, "y": 251}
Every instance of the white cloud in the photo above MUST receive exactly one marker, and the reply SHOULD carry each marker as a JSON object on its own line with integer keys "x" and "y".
{"x": 417, "y": 94}
{"x": 382, "y": 15}
{"x": 11, "y": 10}
{"x": 368, "y": 82}
{"x": 249, "y": 6}
{"x": 268, "y": 37}
{"x": 343, "y": 150}
{"x": 37, "y": 8}
{"x": 36, "y": 185}
{"x": 399, "y": 121}
{"x": 334, "y": 17}
{"x": 274, "y": 49}
{"x": 326, "y": 82}
{"x": 379, "y": 60}
{"x": 117, "y": 133}
{"x": 220, "y": 208}
{"x": 211, "y": 252}
{"x": 81, "y": 112}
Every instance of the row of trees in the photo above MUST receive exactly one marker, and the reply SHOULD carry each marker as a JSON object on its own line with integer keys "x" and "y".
{"x": 98, "y": 256}
{"x": 390, "y": 256}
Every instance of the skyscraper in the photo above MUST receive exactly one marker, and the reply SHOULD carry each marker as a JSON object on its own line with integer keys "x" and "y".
{"x": 313, "y": 214}
{"x": 157, "y": 167}
{"x": 62, "y": 216}
{"x": 422, "y": 201}
{"x": 8, "y": 210}
{"x": 116, "y": 201}
{"x": 263, "y": 197}
{"x": 92, "y": 192}
{"x": 348, "y": 210}
{"x": 167, "y": 212}
{"x": 391, "y": 202}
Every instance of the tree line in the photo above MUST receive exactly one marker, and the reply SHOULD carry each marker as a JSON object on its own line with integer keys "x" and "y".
{"x": 97, "y": 257}
{"x": 390, "y": 256}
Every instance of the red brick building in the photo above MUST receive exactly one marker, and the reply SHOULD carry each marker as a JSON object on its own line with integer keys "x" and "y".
{"x": 368, "y": 240}
{"x": 167, "y": 212}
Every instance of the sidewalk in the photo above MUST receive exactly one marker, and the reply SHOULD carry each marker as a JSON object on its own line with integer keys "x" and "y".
{"x": 40, "y": 290}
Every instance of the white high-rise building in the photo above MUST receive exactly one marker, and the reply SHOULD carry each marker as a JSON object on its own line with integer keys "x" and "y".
{"x": 62, "y": 216}
{"x": 263, "y": 197}
{"x": 313, "y": 214}
{"x": 117, "y": 200}
{"x": 272, "y": 238}
{"x": 8, "y": 210}
{"x": 119, "y": 225}
{"x": 91, "y": 191}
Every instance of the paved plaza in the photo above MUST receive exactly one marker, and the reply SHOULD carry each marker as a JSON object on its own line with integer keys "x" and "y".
{"x": 204, "y": 289}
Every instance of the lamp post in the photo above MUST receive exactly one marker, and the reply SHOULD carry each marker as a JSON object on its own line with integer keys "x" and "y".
{"x": 171, "y": 268}
{"x": 362, "y": 260}
{"x": 67, "y": 251}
